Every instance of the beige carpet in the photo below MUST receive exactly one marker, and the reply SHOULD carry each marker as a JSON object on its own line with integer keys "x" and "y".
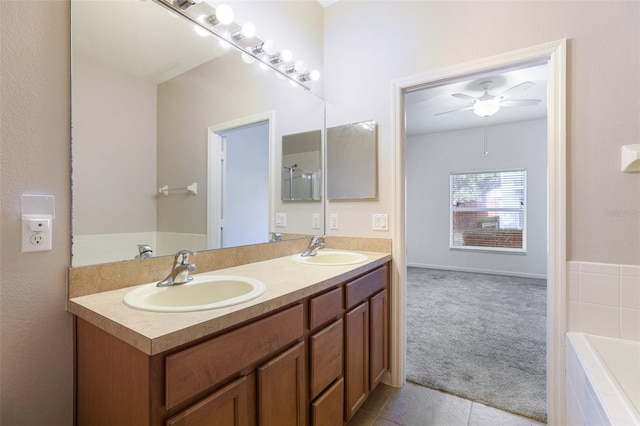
{"x": 478, "y": 336}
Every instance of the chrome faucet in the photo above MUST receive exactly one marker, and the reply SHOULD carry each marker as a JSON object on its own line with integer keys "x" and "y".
{"x": 180, "y": 270}
{"x": 314, "y": 245}
{"x": 144, "y": 251}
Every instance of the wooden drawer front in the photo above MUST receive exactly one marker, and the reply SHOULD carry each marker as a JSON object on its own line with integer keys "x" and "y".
{"x": 228, "y": 406}
{"x": 328, "y": 410}
{"x": 326, "y": 357}
{"x": 197, "y": 368}
{"x": 363, "y": 287}
{"x": 325, "y": 307}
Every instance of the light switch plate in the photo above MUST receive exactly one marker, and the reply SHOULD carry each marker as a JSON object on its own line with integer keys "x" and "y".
{"x": 381, "y": 222}
{"x": 333, "y": 221}
{"x": 315, "y": 220}
{"x": 281, "y": 220}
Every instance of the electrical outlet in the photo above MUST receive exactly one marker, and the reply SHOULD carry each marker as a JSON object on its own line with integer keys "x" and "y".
{"x": 333, "y": 221}
{"x": 36, "y": 233}
{"x": 315, "y": 220}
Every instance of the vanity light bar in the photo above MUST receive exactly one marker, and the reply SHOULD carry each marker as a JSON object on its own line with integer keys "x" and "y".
{"x": 265, "y": 52}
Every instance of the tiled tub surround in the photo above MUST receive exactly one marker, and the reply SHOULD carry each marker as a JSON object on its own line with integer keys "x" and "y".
{"x": 286, "y": 281}
{"x": 596, "y": 367}
{"x": 604, "y": 299}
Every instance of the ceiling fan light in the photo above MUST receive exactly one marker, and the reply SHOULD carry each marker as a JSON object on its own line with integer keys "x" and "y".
{"x": 486, "y": 108}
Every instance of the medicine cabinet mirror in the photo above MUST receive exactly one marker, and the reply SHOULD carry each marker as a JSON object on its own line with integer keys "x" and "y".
{"x": 156, "y": 108}
{"x": 352, "y": 162}
{"x": 301, "y": 166}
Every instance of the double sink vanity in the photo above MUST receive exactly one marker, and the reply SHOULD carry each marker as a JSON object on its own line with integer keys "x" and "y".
{"x": 289, "y": 340}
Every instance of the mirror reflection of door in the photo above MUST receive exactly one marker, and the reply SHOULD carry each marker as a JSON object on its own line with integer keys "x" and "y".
{"x": 241, "y": 178}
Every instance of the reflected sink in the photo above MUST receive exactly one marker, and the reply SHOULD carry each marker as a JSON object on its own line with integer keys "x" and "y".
{"x": 203, "y": 293}
{"x": 332, "y": 258}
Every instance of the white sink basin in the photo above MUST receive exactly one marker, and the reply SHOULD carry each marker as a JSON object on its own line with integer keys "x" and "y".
{"x": 332, "y": 258}
{"x": 203, "y": 293}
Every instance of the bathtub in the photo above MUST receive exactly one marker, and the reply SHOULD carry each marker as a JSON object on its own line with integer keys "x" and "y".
{"x": 603, "y": 380}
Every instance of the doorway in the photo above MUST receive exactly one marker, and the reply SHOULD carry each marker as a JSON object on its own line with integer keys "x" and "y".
{"x": 240, "y": 182}
{"x": 554, "y": 54}
{"x": 476, "y": 238}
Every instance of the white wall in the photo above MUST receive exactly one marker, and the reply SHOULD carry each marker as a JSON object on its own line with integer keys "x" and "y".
{"x": 430, "y": 160}
{"x": 369, "y": 44}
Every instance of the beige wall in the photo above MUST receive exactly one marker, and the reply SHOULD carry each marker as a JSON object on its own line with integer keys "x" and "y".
{"x": 369, "y": 44}
{"x": 36, "y": 366}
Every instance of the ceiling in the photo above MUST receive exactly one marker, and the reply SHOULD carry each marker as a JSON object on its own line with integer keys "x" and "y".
{"x": 421, "y": 105}
{"x": 119, "y": 33}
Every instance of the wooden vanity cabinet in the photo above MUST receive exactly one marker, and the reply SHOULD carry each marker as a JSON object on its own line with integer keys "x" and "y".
{"x": 251, "y": 375}
{"x": 366, "y": 337}
{"x": 311, "y": 363}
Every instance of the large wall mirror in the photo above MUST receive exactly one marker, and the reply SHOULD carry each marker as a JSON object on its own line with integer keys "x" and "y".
{"x": 176, "y": 141}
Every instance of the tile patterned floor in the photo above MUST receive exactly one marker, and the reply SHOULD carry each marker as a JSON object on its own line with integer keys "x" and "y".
{"x": 414, "y": 405}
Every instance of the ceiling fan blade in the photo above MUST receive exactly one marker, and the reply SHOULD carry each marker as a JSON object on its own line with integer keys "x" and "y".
{"x": 518, "y": 88}
{"x": 463, "y": 97}
{"x": 520, "y": 102}
{"x": 455, "y": 110}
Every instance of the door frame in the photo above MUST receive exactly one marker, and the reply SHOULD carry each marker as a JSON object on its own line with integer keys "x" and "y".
{"x": 554, "y": 54}
{"x": 214, "y": 141}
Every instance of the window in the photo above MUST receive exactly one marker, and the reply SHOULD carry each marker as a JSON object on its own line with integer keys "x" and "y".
{"x": 488, "y": 211}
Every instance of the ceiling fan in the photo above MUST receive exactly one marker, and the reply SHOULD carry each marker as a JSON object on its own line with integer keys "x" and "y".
{"x": 488, "y": 104}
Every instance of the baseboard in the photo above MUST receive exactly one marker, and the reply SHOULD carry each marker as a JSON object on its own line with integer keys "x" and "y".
{"x": 478, "y": 271}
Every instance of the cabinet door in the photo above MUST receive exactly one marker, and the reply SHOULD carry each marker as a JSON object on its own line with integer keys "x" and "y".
{"x": 356, "y": 358}
{"x": 281, "y": 391}
{"x": 226, "y": 407}
{"x": 378, "y": 345}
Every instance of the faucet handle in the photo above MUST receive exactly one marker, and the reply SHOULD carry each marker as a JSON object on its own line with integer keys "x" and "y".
{"x": 182, "y": 257}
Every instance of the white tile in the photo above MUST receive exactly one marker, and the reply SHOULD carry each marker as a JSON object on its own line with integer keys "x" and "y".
{"x": 600, "y": 268}
{"x": 600, "y": 289}
{"x": 630, "y": 292}
{"x": 630, "y": 270}
{"x": 573, "y": 317}
{"x": 630, "y": 324}
{"x": 574, "y": 286}
{"x": 600, "y": 320}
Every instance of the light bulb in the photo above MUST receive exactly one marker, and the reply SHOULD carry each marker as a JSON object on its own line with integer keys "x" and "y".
{"x": 269, "y": 47}
{"x": 300, "y": 66}
{"x": 224, "y": 14}
{"x": 198, "y": 29}
{"x": 293, "y": 83}
{"x": 286, "y": 56}
{"x": 225, "y": 44}
{"x": 314, "y": 75}
{"x": 486, "y": 108}
{"x": 248, "y": 59}
{"x": 263, "y": 66}
{"x": 248, "y": 30}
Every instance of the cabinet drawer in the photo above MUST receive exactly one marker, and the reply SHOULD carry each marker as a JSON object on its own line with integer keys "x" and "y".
{"x": 325, "y": 307}
{"x": 326, "y": 357}
{"x": 328, "y": 409}
{"x": 197, "y": 368}
{"x": 363, "y": 287}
